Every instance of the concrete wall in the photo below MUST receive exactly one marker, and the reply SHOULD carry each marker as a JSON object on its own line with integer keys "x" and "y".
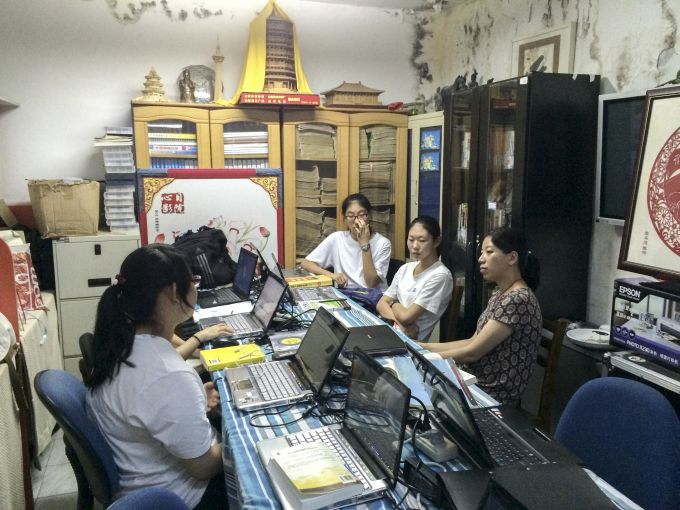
{"x": 630, "y": 43}
{"x": 74, "y": 66}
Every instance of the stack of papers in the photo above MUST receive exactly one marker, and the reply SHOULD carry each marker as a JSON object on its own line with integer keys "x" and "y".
{"x": 315, "y": 141}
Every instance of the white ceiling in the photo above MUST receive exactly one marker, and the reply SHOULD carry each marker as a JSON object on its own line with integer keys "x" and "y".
{"x": 384, "y": 4}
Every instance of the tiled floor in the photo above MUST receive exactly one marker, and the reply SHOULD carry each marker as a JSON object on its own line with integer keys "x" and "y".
{"x": 54, "y": 487}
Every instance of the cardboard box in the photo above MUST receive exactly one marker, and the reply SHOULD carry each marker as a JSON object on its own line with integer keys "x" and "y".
{"x": 64, "y": 209}
{"x": 646, "y": 320}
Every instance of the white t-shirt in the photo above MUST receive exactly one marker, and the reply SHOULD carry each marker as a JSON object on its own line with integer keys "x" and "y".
{"x": 431, "y": 289}
{"x": 152, "y": 415}
{"x": 344, "y": 254}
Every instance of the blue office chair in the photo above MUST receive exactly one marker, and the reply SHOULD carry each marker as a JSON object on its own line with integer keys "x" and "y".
{"x": 629, "y": 435}
{"x": 153, "y": 498}
{"x": 88, "y": 452}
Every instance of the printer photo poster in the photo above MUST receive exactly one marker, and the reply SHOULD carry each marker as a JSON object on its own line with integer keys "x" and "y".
{"x": 651, "y": 240}
{"x": 247, "y": 204}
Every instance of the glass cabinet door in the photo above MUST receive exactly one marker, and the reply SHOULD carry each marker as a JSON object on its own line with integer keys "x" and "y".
{"x": 500, "y": 164}
{"x": 172, "y": 144}
{"x": 245, "y": 138}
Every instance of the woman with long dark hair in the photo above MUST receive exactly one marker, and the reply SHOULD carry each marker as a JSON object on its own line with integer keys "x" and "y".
{"x": 502, "y": 351}
{"x": 359, "y": 256}
{"x": 149, "y": 404}
{"x": 421, "y": 290}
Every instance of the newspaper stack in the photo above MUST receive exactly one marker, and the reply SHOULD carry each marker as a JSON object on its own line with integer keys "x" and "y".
{"x": 375, "y": 181}
{"x": 119, "y": 200}
{"x": 315, "y": 141}
{"x": 378, "y": 142}
{"x": 308, "y": 230}
{"x": 328, "y": 226}
{"x": 307, "y": 191}
{"x": 382, "y": 221}
{"x": 329, "y": 191}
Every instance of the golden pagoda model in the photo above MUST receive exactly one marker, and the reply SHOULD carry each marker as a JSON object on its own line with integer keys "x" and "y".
{"x": 153, "y": 88}
{"x": 273, "y": 73}
{"x": 353, "y": 95}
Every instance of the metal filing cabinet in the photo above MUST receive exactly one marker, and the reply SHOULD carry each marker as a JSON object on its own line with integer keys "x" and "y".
{"x": 84, "y": 267}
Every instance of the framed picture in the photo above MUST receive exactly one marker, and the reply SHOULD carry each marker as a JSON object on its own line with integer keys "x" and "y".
{"x": 549, "y": 52}
{"x": 246, "y": 204}
{"x": 651, "y": 237}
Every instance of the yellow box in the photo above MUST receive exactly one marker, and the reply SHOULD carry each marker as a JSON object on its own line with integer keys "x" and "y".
{"x": 229, "y": 357}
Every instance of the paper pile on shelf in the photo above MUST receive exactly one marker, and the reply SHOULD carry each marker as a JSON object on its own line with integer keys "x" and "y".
{"x": 375, "y": 181}
{"x": 378, "y": 142}
{"x": 329, "y": 191}
{"x": 249, "y": 142}
{"x": 308, "y": 230}
{"x": 381, "y": 221}
{"x": 307, "y": 190}
{"x": 315, "y": 141}
{"x": 119, "y": 201}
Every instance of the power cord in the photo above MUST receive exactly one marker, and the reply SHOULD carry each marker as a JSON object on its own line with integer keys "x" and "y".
{"x": 279, "y": 411}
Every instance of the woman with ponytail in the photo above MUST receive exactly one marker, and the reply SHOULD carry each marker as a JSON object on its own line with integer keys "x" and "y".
{"x": 502, "y": 351}
{"x": 149, "y": 404}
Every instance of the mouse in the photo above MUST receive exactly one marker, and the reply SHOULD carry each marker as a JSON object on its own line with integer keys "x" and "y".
{"x": 223, "y": 341}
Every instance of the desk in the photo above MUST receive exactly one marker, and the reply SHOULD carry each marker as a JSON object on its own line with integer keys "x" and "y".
{"x": 247, "y": 481}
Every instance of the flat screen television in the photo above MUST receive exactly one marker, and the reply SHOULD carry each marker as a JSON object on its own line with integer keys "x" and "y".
{"x": 619, "y": 129}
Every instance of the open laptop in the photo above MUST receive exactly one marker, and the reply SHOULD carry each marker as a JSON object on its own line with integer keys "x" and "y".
{"x": 235, "y": 292}
{"x": 282, "y": 382}
{"x": 488, "y": 437}
{"x": 370, "y": 438}
{"x": 379, "y": 340}
{"x": 257, "y": 321}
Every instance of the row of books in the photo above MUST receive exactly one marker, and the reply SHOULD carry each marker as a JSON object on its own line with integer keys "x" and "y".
{"x": 164, "y": 163}
{"x": 246, "y": 163}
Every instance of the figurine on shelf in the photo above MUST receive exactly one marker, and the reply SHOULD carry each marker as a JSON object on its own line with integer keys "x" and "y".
{"x": 459, "y": 82}
{"x": 153, "y": 88}
{"x": 473, "y": 79}
{"x": 186, "y": 88}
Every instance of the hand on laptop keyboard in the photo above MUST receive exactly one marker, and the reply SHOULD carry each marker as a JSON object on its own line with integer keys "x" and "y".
{"x": 215, "y": 331}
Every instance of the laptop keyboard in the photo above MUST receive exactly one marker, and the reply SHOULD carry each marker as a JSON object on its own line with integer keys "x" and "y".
{"x": 225, "y": 294}
{"x": 274, "y": 382}
{"x": 326, "y": 436}
{"x": 503, "y": 447}
{"x": 313, "y": 295}
{"x": 241, "y": 323}
{"x": 360, "y": 317}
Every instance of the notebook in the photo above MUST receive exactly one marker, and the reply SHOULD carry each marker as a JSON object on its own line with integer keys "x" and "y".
{"x": 287, "y": 381}
{"x": 314, "y": 294}
{"x": 237, "y": 291}
{"x": 379, "y": 340}
{"x": 488, "y": 437}
{"x": 257, "y": 321}
{"x": 370, "y": 437}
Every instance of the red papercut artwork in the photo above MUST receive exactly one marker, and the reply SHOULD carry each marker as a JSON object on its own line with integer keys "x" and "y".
{"x": 172, "y": 203}
{"x": 663, "y": 193}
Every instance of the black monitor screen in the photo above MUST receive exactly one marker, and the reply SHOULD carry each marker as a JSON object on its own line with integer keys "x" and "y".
{"x": 243, "y": 278}
{"x": 620, "y": 126}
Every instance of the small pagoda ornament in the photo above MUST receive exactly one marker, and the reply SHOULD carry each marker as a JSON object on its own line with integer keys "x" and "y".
{"x": 153, "y": 88}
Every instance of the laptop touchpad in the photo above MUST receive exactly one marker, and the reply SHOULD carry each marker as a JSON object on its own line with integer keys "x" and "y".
{"x": 244, "y": 385}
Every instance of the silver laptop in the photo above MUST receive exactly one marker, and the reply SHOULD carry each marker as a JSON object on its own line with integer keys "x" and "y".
{"x": 282, "y": 382}
{"x": 370, "y": 438}
{"x": 257, "y": 321}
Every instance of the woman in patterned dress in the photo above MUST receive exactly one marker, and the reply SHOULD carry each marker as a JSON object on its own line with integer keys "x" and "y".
{"x": 503, "y": 349}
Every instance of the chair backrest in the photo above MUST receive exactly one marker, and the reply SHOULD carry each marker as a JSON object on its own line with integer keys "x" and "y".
{"x": 453, "y": 312}
{"x": 549, "y": 350}
{"x": 392, "y": 269}
{"x": 64, "y": 397}
{"x": 153, "y": 498}
{"x": 86, "y": 363}
{"x": 629, "y": 434}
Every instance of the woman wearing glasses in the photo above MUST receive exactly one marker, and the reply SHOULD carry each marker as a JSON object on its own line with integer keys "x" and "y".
{"x": 149, "y": 404}
{"x": 358, "y": 256}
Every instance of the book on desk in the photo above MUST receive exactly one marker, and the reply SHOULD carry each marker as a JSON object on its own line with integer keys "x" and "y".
{"x": 314, "y": 280}
{"x": 311, "y": 475}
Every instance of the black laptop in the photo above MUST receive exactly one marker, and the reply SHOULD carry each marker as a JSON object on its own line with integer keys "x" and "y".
{"x": 487, "y": 437}
{"x": 238, "y": 290}
{"x": 379, "y": 340}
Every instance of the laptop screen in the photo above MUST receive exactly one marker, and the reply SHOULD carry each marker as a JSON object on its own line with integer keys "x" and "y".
{"x": 245, "y": 270}
{"x": 375, "y": 413}
{"x": 269, "y": 299}
{"x": 320, "y": 348}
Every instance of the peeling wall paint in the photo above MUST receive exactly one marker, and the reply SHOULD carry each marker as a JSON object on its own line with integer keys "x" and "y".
{"x": 132, "y": 12}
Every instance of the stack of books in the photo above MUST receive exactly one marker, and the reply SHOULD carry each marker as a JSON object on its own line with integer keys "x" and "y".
{"x": 378, "y": 142}
{"x": 170, "y": 146}
{"x": 375, "y": 181}
{"x": 381, "y": 221}
{"x": 315, "y": 141}
{"x": 246, "y": 149}
{"x": 119, "y": 200}
{"x": 307, "y": 189}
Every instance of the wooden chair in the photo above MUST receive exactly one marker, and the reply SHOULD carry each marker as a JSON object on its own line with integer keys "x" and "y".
{"x": 452, "y": 313}
{"x": 548, "y": 357}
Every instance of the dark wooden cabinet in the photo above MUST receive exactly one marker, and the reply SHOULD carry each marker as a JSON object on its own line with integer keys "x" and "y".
{"x": 521, "y": 153}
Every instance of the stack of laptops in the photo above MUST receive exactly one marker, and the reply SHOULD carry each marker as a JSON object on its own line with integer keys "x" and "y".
{"x": 282, "y": 382}
{"x": 256, "y": 322}
{"x": 235, "y": 292}
{"x": 370, "y": 438}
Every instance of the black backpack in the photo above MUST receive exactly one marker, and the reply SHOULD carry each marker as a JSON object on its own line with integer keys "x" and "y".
{"x": 208, "y": 256}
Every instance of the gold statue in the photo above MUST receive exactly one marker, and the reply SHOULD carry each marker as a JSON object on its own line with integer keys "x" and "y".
{"x": 187, "y": 88}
